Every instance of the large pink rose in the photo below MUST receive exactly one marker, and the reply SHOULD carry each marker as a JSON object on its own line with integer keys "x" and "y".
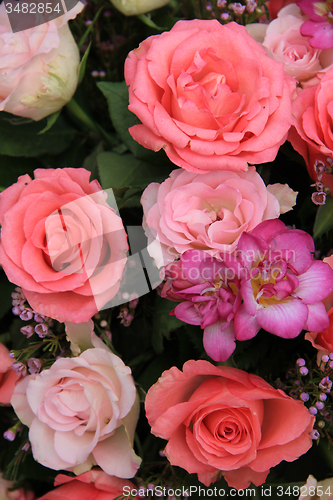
{"x": 284, "y": 42}
{"x": 311, "y": 134}
{"x": 207, "y": 212}
{"x": 214, "y": 101}
{"x": 68, "y": 260}
{"x": 219, "y": 419}
{"x": 81, "y": 412}
{"x": 39, "y": 66}
{"x": 94, "y": 484}
{"x": 8, "y": 377}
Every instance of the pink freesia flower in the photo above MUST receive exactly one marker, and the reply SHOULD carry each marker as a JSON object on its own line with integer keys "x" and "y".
{"x": 284, "y": 286}
{"x": 208, "y": 291}
{"x": 320, "y": 25}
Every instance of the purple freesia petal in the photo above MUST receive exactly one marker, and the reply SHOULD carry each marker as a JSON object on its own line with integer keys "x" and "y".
{"x": 219, "y": 343}
{"x": 316, "y": 283}
{"x": 318, "y": 319}
{"x": 246, "y": 326}
{"x": 320, "y": 33}
{"x": 285, "y": 319}
{"x": 308, "y": 8}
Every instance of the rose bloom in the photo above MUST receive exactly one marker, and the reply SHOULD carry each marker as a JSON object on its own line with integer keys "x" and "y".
{"x": 323, "y": 341}
{"x": 136, "y": 7}
{"x": 94, "y": 484}
{"x": 283, "y": 41}
{"x": 208, "y": 211}
{"x": 61, "y": 243}
{"x": 274, "y": 6}
{"x": 215, "y": 101}
{"x": 8, "y": 377}
{"x": 39, "y": 66}
{"x": 221, "y": 420}
{"x": 19, "y": 494}
{"x": 311, "y": 134}
{"x": 81, "y": 412}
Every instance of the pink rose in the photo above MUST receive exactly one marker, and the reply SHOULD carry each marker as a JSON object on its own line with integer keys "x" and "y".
{"x": 81, "y": 412}
{"x": 322, "y": 341}
{"x": 6, "y": 492}
{"x": 311, "y": 134}
{"x": 68, "y": 261}
{"x": 207, "y": 212}
{"x": 284, "y": 42}
{"x": 94, "y": 484}
{"x": 8, "y": 377}
{"x": 214, "y": 101}
{"x": 221, "y": 420}
{"x": 39, "y": 66}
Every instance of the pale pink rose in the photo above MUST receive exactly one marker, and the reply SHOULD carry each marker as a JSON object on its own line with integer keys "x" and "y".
{"x": 214, "y": 101}
{"x": 311, "y": 133}
{"x": 317, "y": 490}
{"x": 62, "y": 243}
{"x": 223, "y": 421}
{"x": 8, "y": 377}
{"x": 19, "y": 494}
{"x": 94, "y": 484}
{"x": 39, "y": 66}
{"x": 81, "y": 412}
{"x": 206, "y": 212}
{"x": 285, "y": 196}
{"x": 284, "y": 42}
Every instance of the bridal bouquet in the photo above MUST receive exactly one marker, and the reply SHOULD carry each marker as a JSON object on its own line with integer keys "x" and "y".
{"x": 166, "y": 249}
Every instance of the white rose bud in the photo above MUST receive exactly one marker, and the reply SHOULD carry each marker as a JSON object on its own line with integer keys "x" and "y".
{"x": 136, "y": 7}
{"x": 40, "y": 81}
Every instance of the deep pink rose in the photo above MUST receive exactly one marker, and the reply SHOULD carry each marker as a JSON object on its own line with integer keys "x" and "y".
{"x": 311, "y": 134}
{"x": 214, "y": 101}
{"x": 207, "y": 212}
{"x": 68, "y": 261}
{"x": 8, "y": 377}
{"x": 322, "y": 341}
{"x": 221, "y": 420}
{"x": 81, "y": 412}
{"x": 274, "y": 6}
{"x": 92, "y": 485}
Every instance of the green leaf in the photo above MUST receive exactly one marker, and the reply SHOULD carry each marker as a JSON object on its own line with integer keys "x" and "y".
{"x": 51, "y": 119}
{"x": 90, "y": 27}
{"x": 116, "y": 94}
{"x": 12, "y": 167}
{"x": 90, "y": 162}
{"x": 324, "y": 219}
{"x": 147, "y": 20}
{"x": 20, "y": 137}
{"x": 118, "y": 171}
{"x": 163, "y": 324}
{"x": 83, "y": 63}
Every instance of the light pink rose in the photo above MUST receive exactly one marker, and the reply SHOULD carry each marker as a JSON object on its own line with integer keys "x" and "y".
{"x": 6, "y": 492}
{"x": 68, "y": 261}
{"x": 39, "y": 66}
{"x": 311, "y": 133}
{"x": 214, "y": 101}
{"x": 8, "y": 377}
{"x": 81, "y": 412}
{"x": 223, "y": 421}
{"x": 283, "y": 41}
{"x": 207, "y": 212}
